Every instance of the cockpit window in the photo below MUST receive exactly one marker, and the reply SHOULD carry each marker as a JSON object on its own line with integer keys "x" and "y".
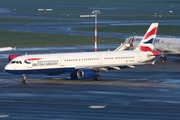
{"x": 16, "y": 62}
{"x": 13, "y": 62}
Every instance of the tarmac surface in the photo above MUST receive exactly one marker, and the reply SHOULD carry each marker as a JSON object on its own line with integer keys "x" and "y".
{"x": 148, "y": 92}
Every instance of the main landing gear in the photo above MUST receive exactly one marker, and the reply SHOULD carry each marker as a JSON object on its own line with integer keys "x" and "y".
{"x": 74, "y": 76}
{"x": 24, "y": 79}
{"x": 98, "y": 77}
{"x": 163, "y": 58}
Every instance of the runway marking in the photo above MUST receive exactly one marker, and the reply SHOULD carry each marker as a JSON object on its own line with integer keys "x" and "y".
{"x": 3, "y": 116}
{"x": 96, "y": 107}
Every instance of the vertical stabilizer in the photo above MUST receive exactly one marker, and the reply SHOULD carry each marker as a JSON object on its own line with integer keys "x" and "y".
{"x": 146, "y": 43}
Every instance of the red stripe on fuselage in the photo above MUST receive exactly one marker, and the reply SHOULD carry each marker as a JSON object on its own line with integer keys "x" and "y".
{"x": 33, "y": 59}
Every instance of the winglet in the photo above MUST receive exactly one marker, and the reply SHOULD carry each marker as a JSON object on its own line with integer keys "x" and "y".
{"x": 146, "y": 43}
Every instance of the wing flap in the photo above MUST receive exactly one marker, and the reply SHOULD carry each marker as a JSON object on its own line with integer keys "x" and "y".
{"x": 111, "y": 66}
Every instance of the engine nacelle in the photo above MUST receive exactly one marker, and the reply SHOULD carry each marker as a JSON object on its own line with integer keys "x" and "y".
{"x": 86, "y": 73}
{"x": 11, "y": 57}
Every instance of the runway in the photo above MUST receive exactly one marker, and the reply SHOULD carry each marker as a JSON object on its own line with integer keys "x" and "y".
{"x": 148, "y": 92}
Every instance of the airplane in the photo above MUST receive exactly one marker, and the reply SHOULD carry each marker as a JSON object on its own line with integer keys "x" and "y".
{"x": 83, "y": 65}
{"x": 6, "y": 49}
{"x": 165, "y": 45}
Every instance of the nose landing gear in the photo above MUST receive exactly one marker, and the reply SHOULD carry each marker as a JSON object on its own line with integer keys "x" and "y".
{"x": 24, "y": 79}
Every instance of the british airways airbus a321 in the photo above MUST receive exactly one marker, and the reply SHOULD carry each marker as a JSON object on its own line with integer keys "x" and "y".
{"x": 85, "y": 64}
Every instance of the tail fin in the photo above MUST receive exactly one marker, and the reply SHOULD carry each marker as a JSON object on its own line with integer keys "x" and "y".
{"x": 146, "y": 43}
{"x": 131, "y": 42}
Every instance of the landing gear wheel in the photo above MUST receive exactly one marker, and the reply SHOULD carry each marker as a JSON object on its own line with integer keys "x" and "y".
{"x": 97, "y": 78}
{"x": 24, "y": 79}
{"x": 163, "y": 59}
{"x": 73, "y": 76}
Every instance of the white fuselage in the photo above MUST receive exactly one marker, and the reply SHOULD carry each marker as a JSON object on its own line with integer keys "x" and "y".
{"x": 67, "y": 62}
{"x": 162, "y": 44}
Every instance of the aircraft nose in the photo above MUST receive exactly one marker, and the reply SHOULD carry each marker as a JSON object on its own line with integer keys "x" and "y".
{"x": 7, "y": 68}
{"x": 10, "y": 69}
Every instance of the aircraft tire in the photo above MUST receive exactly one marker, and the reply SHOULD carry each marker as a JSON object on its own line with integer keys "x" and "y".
{"x": 73, "y": 76}
{"x": 24, "y": 81}
{"x": 163, "y": 59}
{"x": 97, "y": 78}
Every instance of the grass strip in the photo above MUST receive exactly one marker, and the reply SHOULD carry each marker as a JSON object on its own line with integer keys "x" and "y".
{"x": 162, "y": 29}
{"x": 24, "y": 39}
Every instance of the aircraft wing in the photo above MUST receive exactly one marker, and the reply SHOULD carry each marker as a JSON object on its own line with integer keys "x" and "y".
{"x": 110, "y": 66}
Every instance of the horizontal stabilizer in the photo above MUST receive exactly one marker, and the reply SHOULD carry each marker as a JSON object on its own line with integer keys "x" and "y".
{"x": 153, "y": 62}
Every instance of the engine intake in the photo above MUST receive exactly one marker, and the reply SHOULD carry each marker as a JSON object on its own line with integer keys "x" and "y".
{"x": 86, "y": 73}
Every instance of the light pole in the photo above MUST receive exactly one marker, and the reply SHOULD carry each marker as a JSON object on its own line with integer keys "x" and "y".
{"x": 95, "y": 28}
{"x": 95, "y": 12}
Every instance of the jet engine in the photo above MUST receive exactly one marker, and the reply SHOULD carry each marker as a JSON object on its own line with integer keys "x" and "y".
{"x": 84, "y": 73}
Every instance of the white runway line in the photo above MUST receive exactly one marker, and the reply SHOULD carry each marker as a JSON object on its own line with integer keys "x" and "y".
{"x": 96, "y": 106}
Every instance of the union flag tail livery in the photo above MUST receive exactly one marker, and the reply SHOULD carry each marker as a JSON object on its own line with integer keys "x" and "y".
{"x": 146, "y": 43}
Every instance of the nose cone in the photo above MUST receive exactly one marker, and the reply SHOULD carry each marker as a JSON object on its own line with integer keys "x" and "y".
{"x": 8, "y": 68}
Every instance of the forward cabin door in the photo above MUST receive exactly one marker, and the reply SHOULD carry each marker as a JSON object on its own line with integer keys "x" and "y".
{"x": 100, "y": 59}
{"x": 61, "y": 60}
{"x": 139, "y": 57}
